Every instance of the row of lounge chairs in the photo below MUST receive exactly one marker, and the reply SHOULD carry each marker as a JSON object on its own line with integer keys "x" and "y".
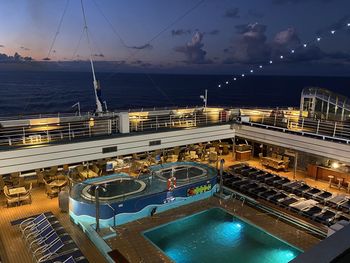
{"x": 318, "y": 205}
{"x": 48, "y": 241}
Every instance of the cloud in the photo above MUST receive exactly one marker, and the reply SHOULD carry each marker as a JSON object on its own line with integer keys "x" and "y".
{"x": 342, "y": 22}
{"x": 99, "y": 55}
{"x": 180, "y": 32}
{"x": 213, "y": 32}
{"x": 24, "y": 48}
{"x": 15, "y": 58}
{"x": 145, "y": 46}
{"x": 232, "y": 13}
{"x": 255, "y": 14}
{"x": 193, "y": 50}
{"x": 2, "y": 46}
{"x": 250, "y": 46}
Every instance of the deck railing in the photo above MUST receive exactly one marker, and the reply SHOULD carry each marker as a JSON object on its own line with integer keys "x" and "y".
{"x": 289, "y": 121}
{"x": 38, "y": 132}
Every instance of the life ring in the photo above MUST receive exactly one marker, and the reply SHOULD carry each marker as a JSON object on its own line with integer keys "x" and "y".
{"x": 171, "y": 183}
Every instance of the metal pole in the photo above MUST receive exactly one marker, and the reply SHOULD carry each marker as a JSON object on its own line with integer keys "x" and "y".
{"x": 97, "y": 201}
{"x": 295, "y": 165}
{"x": 222, "y": 161}
{"x": 97, "y": 208}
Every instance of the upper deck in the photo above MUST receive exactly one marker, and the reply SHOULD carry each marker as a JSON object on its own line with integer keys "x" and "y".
{"x": 34, "y": 143}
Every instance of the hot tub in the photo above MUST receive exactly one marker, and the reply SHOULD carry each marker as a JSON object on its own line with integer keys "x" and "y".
{"x": 183, "y": 172}
{"x": 119, "y": 187}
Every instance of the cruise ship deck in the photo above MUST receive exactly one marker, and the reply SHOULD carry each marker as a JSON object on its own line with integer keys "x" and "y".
{"x": 109, "y": 179}
{"x": 129, "y": 240}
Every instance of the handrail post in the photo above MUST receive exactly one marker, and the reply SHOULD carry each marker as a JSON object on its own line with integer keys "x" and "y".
{"x": 195, "y": 119}
{"x": 69, "y": 135}
{"x": 302, "y": 124}
{"x": 24, "y": 136}
{"x": 318, "y": 126}
{"x": 335, "y": 128}
{"x": 156, "y": 122}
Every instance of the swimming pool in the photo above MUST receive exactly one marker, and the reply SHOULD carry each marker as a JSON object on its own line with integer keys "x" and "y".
{"x": 217, "y": 236}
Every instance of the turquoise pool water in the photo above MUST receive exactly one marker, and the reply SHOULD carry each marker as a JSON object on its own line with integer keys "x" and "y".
{"x": 217, "y": 236}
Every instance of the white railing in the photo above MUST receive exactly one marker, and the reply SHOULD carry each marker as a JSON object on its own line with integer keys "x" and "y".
{"x": 290, "y": 122}
{"x": 41, "y": 134}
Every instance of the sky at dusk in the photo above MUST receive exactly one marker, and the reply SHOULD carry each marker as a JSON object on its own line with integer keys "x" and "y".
{"x": 208, "y": 36}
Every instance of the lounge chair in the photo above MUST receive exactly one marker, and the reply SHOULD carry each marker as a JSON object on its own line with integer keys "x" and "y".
{"x": 311, "y": 192}
{"x": 278, "y": 198}
{"x": 291, "y": 199}
{"x": 345, "y": 206}
{"x": 268, "y": 194}
{"x": 302, "y": 205}
{"x": 41, "y": 238}
{"x": 272, "y": 180}
{"x": 323, "y": 196}
{"x": 47, "y": 252}
{"x": 326, "y": 217}
{"x": 34, "y": 231}
{"x": 264, "y": 177}
{"x": 249, "y": 186}
{"x": 258, "y": 191}
{"x": 300, "y": 190}
{"x": 31, "y": 221}
{"x": 280, "y": 183}
{"x": 312, "y": 211}
{"x": 336, "y": 200}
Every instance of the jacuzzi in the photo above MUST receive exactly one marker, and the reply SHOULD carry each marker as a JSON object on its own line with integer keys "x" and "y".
{"x": 182, "y": 172}
{"x": 128, "y": 199}
{"x": 117, "y": 188}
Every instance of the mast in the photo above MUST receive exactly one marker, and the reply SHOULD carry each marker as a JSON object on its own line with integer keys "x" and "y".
{"x": 96, "y": 84}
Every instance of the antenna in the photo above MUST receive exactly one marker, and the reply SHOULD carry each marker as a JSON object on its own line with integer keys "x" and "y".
{"x": 205, "y": 99}
{"x": 77, "y": 105}
{"x": 97, "y": 87}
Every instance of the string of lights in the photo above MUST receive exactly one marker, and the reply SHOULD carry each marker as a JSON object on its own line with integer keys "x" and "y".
{"x": 283, "y": 57}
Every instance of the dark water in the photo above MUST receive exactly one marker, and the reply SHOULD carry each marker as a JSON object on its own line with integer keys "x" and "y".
{"x": 52, "y": 92}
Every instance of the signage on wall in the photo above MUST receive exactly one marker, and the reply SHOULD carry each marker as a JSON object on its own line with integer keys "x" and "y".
{"x": 198, "y": 190}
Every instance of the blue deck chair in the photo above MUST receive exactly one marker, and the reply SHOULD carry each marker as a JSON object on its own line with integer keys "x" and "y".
{"x": 35, "y": 231}
{"x": 38, "y": 241}
{"x": 50, "y": 251}
{"x": 49, "y": 241}
{"x": 30, "y": 222}
{"x": 69, "y": 260}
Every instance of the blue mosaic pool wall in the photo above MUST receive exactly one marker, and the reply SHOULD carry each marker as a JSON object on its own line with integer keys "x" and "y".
{"x": 139, "y": 207}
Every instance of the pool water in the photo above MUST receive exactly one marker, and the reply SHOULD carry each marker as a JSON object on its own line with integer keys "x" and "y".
{"x": 217, "y": 236}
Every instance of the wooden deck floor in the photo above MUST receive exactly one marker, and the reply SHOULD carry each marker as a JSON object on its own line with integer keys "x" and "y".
{"x": 134, "y": 246}
{"x": 12, "y": 247}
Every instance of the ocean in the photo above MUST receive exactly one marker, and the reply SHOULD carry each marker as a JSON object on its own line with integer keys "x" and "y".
{"x": 51, "y": 92}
